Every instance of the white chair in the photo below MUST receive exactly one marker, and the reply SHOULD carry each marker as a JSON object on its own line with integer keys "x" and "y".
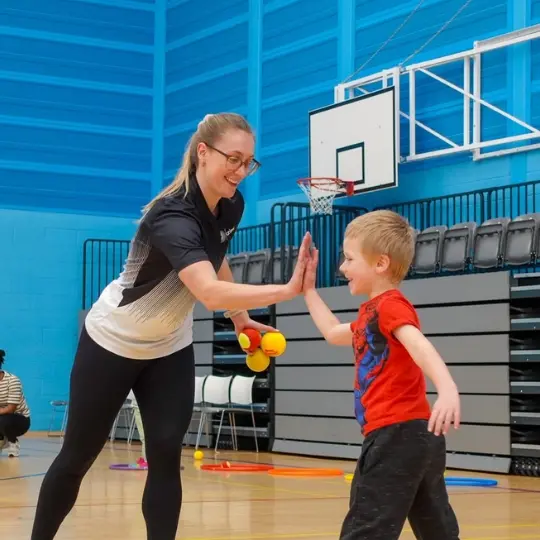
{"x": 198, "y": 406}
{"x": 58, "y": 405}
{"x": 215, "y": 400}
{"x": 131, "y": 398}
{"x": 127, "y": 412}
{"x": 241, "y": 401}
{"x": 198, "y": 398}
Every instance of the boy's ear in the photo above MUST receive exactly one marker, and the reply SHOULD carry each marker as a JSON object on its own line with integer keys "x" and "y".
{"x": 383, "y": 263}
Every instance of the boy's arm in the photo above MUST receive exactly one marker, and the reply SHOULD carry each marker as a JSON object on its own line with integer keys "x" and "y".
{"x": 424, "y": 354}
{"x": 334, "y": 332}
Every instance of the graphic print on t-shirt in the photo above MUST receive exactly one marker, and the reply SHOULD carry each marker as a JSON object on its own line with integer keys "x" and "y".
{"x": 164, "y": 297}
{"x": 371, "y": 351}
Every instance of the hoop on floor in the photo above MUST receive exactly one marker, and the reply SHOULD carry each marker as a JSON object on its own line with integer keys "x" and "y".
{"x": 127, "y": 467}
{"x": 470, "y": 482}
{"x": 227, "y": 467}
{"x": 131, "y": 467}
{"x": 305, "y": 472}
{"x": 321, "y": 192}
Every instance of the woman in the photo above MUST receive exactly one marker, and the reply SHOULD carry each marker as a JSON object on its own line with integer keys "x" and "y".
{"x": 139, "y": 332}
{"x": 14, "y": 411}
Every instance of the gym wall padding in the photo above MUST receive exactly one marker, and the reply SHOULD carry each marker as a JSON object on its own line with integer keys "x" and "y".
{"x": 466, "y": 317}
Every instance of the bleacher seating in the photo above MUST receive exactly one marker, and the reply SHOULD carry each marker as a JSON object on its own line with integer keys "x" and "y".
{"x": 489, "y": 243}
{"x": 522, "y": 239}
{"x": 464, "y": 247}
{"x": 428, "y": 250}
{"x": 457, "y": 247}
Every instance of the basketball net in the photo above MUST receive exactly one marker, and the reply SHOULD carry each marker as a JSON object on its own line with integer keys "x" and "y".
{"x": 321, "y": 192}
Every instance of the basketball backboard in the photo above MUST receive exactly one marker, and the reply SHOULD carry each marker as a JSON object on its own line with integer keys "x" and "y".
{"x": 355, "y": 140}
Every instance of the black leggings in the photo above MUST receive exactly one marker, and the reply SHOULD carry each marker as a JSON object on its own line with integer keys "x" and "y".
{"x": 100, "y": 383}
{"x": 13, "y": 426}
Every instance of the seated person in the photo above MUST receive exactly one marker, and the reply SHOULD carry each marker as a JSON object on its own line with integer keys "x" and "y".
{"x": 14, "y": 411}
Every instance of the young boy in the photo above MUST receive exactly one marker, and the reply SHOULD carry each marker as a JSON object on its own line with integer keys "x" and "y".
{"x": 400, "y": 473}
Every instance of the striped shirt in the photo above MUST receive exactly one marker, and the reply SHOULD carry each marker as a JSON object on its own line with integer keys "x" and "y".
{"x": 11, "y": 393}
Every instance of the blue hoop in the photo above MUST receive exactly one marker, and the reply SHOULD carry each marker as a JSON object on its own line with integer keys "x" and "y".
{"x": 127, "y": 467}
{"x": 472, "y": 482}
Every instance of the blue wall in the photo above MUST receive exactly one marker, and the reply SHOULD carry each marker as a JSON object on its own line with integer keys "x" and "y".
{"x": 277, "y": 59}
{"x": 76, "y": 124}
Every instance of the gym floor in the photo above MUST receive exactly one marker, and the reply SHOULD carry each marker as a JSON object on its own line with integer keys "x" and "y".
{"x": 239, "y": 506}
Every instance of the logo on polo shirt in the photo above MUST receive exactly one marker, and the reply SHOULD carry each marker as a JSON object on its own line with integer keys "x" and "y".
{"x": 226, "y": 233}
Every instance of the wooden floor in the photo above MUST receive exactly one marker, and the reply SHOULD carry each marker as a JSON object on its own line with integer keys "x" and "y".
{"x": 238, "y": 506}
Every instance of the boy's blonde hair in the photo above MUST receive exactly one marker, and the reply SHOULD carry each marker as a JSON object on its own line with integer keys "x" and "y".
{"x": 383, "y": 232}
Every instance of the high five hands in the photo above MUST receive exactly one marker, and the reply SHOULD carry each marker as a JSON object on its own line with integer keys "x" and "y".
{"x": 304, "y": 276}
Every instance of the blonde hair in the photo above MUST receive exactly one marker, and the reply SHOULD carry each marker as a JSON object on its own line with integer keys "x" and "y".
{"x": 211, "y": 128}
{"x": 383, "y": 232}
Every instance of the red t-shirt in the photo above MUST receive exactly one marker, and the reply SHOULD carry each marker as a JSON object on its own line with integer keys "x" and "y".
{"x": 389, "y": 386}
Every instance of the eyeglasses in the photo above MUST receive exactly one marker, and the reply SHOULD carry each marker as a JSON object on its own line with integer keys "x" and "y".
{"x": 234, "y": 162}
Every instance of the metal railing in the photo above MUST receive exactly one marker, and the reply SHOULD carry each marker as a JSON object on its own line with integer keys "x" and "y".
{"x": 103, "y": 260}
{"x": 251, "y": 238}
{"x": 507, "y": 201}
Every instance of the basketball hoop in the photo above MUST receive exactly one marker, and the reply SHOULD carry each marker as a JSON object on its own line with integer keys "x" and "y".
{"x": 321, "y": 192}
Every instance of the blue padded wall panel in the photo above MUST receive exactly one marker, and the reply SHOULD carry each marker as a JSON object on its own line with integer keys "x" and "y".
{"x": 81, "y": 194}
{"x": 192, "y": 102}
{"x": 174, "y": 146}
{"x": 286, "y": 23}
{"x": 192, "y": 17}
{"x": 41, "y": 144}
{"x": 281, "y": 170}
{"x": 81, "y": 19}
{"x": 206, "y": 69}
{"x": 207, "y": 55}
{"x": 93, "y": 107}
{"x": 76, "y": 105}
{"x": 76, "y": 58}
{"x": 375, "y": 24}
{"x": 286, "y": 72}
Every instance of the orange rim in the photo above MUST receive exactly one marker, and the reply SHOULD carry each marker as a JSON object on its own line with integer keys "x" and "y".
{"x": 306, "y": 472}
{"x": 236, "y": 468}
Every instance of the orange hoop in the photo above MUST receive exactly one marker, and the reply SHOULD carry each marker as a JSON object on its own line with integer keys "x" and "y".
{"x": 305, "y": 472}
{"x": 222, "y": 467}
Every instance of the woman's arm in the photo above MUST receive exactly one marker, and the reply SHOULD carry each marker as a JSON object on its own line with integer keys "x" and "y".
{"x": 178, "y": 234}
{"x": 216, "y": 292}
